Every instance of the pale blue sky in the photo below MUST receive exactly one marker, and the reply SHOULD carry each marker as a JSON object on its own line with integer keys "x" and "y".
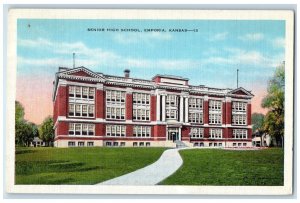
{"x": 208, "y": 57}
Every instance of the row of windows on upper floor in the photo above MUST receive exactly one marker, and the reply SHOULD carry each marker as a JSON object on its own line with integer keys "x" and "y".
{"x": 144, "y": 99}
{"x": 118, "y": 113}
{"x": 84, "y": 129}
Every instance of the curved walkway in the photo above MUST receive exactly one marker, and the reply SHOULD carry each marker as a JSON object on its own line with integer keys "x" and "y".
{"x": 152, "y": 174}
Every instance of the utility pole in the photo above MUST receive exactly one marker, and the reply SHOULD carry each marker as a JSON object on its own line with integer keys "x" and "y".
{"x": 73, "y": 60}
{"x": 237, "y": 78}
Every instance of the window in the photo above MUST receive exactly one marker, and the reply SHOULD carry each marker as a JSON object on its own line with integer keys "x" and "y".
{"x": 220, "y": 144}
{"x": 215, "y": 112}
{"x": 135, "y": 144}
{"x": 71, "y": 91}
{"x": 71, "y": 144}
{"x": 171, "y": 100}
{"x": 141, "y": 98}
{"x": 141, "y": 106}
{"x": 142, "y": 131}
{"x": 108, "y": 144}
{"x": 122, "y": 144}
{"x": 196, "y": 117}
{"x": 115, "y": 130}
{"x": 81, "y": 110}
{"x": 215, "y": 105}
{"x": 210, "y": 144}
{"x": 85, "y": 92}
{"x": 84, "y": 110}
{"x": 201, "y": 144}
{"x": 239, "y": 106}
{"x": 71, "y": 128}
{"x": 115, "y": 105}
{"x": 215, "y": 144}
{"x": 82, "y": 92}
{"x": 141, "y": 114}
{"x": 171, "y": 113}
{"x": 239, "y": 119}
{"x": 215, "y": 118}
{"x": 197, "y": 132}
{"x": 116, "y": 144}
{"x": 239, "y": 144}
{"x": 234, "y": 144}
{"x": 215, "y": 133}
{"x": 195, "y": 103}
{"x": 196, "y": 144}
{"x": 80, "y": 144}
{"x": 81, "y": 129}
{"x": 147, "y": 144}
{"x": 244, "y": 144}
{"x": 90, "y": 144}
{"x": 141, "y": 144}
{"x": 115, "y": 96}
{"x": 239, "y": 133}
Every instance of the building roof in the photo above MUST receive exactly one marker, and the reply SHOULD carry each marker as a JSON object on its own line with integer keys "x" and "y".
{"x": 85, "y": 75}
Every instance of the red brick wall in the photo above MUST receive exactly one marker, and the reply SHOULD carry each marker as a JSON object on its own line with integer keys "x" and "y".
{"x": 100, "y": 129}
{"x": 225, "y": 133}
{"x": 128, "y": 107}
{"x": 185, "y": 131}
{"x": 229, "y": 135}
{"x": 63, "y": 128}
{"x": 228, "y": 112}
{"x": 206, "y": 132}
{"x": 224, "y": 112}
{"x": 248, "y": 114}
{"x": 250, "y": 133}
{"x": 159, "y": 131}
{"x": 206, "y": 113}
{"x": 153, "y": 108}
{"x": 100, "y": 104}
{"x": 129, "y": 130}
{"x": 60, "y": 103}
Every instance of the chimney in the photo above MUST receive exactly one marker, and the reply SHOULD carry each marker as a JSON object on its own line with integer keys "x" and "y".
{"x": 126, "y": 73}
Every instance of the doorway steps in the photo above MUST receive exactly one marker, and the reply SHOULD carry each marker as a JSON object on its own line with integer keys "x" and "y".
{"x": 180, "y": 144}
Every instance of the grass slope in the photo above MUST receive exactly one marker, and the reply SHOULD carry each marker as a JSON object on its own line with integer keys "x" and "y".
{"x": 224, "y": 167}
{"x": 79, "y": 165}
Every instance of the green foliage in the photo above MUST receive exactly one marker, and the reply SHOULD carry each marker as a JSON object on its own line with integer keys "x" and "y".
{"x": 25, "y": 132}
{"x": 46, "y": 130}
{"x": 257, "y": 122}
{"x": 274, "y": 101}
{"x": 80, "y": 165}
{"x": 19, "y": 113}
{"x": 229, "y": 167}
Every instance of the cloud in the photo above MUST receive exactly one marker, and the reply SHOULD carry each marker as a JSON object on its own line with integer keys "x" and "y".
{"x": 134, "y": 38}
{"x": 252, "y": 37}
{"x": 278, "y": 42}
{"x": 97, "y": 57}
{"x": 219, "y": 36}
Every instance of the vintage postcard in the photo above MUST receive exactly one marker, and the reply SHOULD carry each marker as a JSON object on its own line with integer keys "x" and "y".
{"x": 150, "y": 102}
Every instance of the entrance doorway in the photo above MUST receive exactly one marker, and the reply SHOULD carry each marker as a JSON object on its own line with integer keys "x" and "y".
{"x": 173, "y": 134}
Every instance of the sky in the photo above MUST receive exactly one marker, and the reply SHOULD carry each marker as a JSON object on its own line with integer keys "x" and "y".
{"x": 209, "y": 55}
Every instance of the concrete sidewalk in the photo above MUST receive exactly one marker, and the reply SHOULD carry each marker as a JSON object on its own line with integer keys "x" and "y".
{"x": 165, "y": 166}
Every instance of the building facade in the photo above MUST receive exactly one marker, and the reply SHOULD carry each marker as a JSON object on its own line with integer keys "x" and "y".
{"x": 94, "y": 109}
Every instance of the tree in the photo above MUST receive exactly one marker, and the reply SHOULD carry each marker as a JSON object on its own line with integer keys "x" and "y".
{"x": 274, "y": 101}
{"x": 25, "y": 133}
{"x": 46, "y": 130}
{"x": 19, "y": 113}
{"x": 257, "y": 122}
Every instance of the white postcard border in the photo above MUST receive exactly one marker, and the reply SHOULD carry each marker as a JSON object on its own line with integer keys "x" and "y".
{"x": 15, "y": 14}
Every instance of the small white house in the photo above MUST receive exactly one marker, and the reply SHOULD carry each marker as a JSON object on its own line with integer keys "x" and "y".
{"x": 37, "y": 142}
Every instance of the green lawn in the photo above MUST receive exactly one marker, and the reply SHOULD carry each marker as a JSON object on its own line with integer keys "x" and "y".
{"x": 79, "y": 165}
{"x": 223, "y": 167}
